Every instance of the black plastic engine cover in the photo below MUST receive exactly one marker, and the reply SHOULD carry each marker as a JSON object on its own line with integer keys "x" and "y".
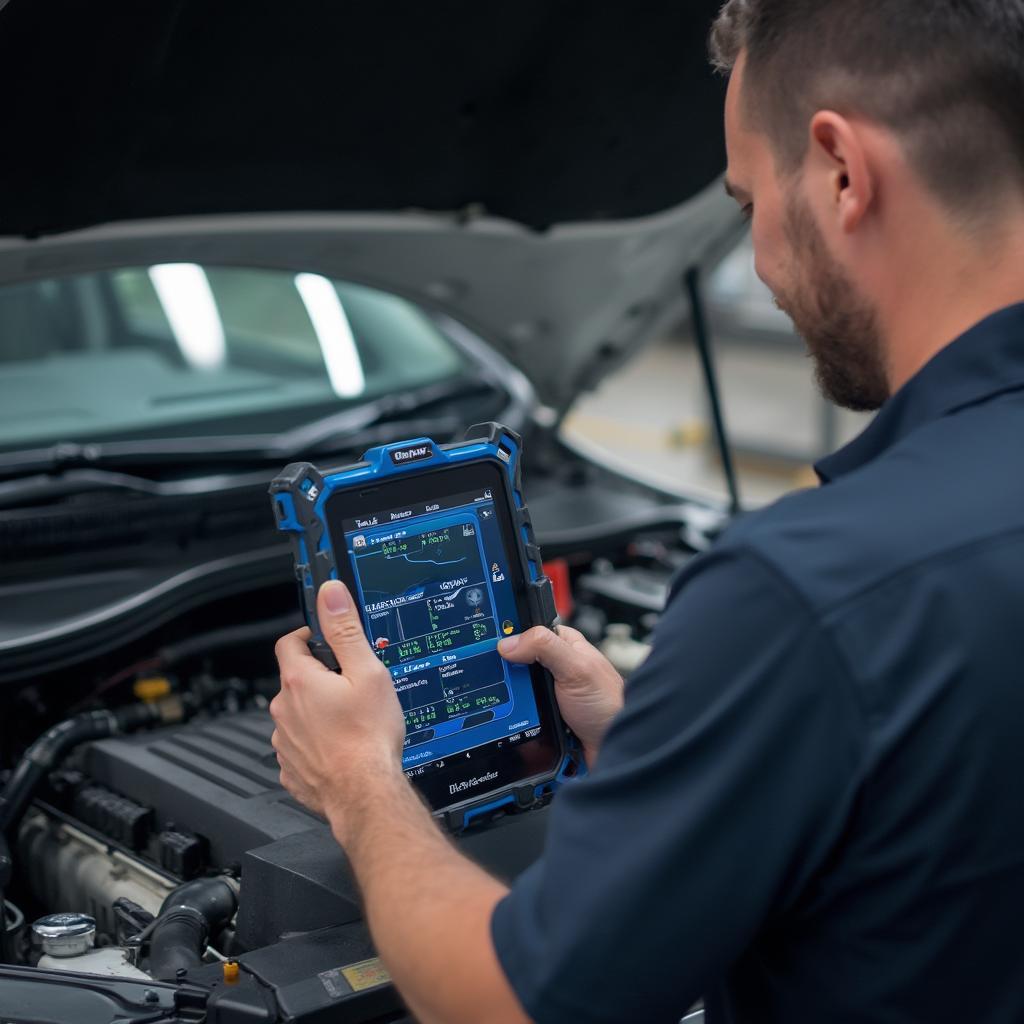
{"x": 305, "y": 976}
{"x": 218, "y": 779}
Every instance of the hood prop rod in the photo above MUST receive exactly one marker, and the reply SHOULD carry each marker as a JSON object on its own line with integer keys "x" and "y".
{"x": 702, "y": 336}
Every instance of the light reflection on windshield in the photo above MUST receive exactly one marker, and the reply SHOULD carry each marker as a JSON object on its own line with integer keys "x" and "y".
{"x": 191, "y": 310}
{"x": 334, "y": 333}
{"x": 181, "y": 349}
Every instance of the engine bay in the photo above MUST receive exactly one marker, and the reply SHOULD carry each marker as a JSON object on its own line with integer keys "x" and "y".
{"x": 156, "y": 870}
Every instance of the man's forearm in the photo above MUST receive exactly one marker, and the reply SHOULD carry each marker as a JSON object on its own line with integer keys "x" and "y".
{"x": 428, "y": 907}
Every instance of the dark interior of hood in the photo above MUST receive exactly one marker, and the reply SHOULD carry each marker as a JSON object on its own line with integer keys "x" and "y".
{"x": 537, "y": 112}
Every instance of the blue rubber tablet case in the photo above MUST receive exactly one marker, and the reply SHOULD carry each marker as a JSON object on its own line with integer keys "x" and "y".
{"x": 436, "y": 545}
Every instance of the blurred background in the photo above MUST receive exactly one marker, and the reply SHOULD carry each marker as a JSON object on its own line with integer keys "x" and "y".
{"x": 653, "y": 415}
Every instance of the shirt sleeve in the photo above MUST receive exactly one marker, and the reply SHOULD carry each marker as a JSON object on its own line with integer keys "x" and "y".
{"x": 720, "y": 788}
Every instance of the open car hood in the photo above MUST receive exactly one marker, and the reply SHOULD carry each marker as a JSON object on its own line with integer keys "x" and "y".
{"x": 545, "y": 173}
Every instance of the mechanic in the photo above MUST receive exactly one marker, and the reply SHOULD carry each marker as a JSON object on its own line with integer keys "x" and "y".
{"x": 811, "y": 806}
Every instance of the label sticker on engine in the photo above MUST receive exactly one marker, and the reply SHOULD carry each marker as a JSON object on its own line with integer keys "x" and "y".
{"x": 366, "y": 974}
{"x": 342, "y": 981}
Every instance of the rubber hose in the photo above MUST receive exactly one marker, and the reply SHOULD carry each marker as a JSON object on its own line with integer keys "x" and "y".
{"x": 188, "y": 917}
{"x": 47, "y": 752}
{"x": 177, "y": 943}
{"x": 42, "y": 757}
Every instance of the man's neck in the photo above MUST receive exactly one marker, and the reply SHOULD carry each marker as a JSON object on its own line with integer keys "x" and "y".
{"x": 948, "y": 284}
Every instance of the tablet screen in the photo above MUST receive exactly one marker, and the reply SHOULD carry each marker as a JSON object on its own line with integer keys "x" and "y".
{"x": 439, "y": 582}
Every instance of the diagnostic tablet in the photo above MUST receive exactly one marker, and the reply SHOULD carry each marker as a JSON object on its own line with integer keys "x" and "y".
{"x": 435, "y": 544}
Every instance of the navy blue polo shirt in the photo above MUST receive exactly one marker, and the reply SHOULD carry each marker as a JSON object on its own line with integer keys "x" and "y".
{"x": 811, "y": 808}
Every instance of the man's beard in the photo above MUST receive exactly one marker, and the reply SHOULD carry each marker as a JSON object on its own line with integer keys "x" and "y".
{"x": 840, "y": 328}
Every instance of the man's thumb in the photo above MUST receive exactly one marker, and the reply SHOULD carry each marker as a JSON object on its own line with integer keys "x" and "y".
{"x": 342, "y": 627}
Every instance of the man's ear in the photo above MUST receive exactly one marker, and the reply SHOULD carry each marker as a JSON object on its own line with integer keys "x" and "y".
{"x": 839, "y": 163}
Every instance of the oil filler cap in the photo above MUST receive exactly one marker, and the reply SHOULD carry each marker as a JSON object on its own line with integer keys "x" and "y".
{"x": 64, "y": 934}
{"x": 152, "y": 688}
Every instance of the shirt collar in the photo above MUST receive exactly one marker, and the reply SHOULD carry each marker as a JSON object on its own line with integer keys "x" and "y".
{"x": 985, "y": 361}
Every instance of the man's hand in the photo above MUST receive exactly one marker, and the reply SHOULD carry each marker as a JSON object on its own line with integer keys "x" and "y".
{"x": 339, "y": 743}
{"x": 332, "y": 731}
{"x": 588, "y": 688}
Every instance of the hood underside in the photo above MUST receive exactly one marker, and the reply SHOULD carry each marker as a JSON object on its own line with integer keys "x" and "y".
{"x": 566, "y": 307}
{"x": 535, "y": 112}
{"x": 544, "y": 173}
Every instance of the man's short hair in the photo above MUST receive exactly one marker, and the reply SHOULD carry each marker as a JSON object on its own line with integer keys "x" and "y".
{"x": 946, "y": 76}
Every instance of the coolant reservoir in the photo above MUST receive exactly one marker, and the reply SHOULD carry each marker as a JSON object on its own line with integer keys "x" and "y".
{"x": 108, "y": 961}
{"x": 619, "y": 647}
{"x": 66, "y": 942}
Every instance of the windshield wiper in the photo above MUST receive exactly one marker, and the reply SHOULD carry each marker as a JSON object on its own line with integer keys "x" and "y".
{"x": 376, "y": 422}
{"x": 46, "y": 487}
{"x": 74, "y": 480}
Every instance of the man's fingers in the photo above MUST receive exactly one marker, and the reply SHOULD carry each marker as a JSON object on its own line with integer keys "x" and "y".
{"x": 294, "y": 644}
{"x": 543, "y": 645}
{"x": 294, "y": 657}
{"x": 571, "y": 636}
{"x": 280, "y": 743}
{"x": 342, "y": 628}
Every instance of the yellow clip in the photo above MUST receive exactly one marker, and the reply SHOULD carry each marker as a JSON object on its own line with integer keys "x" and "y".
{"x": 231, "y": 972}
{"x": 152, "y": 688}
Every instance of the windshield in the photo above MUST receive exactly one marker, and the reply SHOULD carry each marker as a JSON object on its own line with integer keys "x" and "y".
{"x": 179, "y": 350}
